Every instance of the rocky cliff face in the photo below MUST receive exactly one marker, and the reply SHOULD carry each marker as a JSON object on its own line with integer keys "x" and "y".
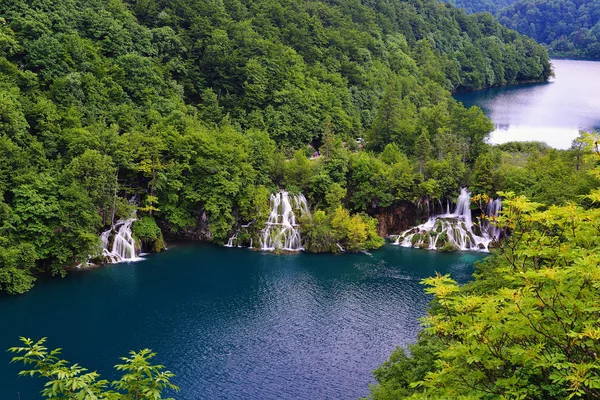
{"x": 200, "y": 232}
{"x": 394, "y": 219}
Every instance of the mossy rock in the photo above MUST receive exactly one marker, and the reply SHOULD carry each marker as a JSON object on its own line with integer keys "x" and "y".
{"x": 137, "y": 244}
{"x": 415, "y": 239}
{"x": 440, "y": 243}
{"x": 159, "y": 245}
{"x": 148, "y": 236}
{"x": 449, "y": 248}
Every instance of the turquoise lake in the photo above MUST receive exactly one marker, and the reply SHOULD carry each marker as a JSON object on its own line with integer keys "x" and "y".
{"x": 233, "y": 323}
{"x": 552, "y": 112}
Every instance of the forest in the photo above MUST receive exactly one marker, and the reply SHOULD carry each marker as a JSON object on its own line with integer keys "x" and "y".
{"x": 568, "y": 28}
{"x": 528, "y": 325}
{"x": 191, "y": 113}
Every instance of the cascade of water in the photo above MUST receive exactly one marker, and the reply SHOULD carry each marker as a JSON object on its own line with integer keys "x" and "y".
{"x": 234, "y": 241}
{"x": 281, "y": 230}
{"x": 463, "y": 209}
{"x": 453, "y": 231}
{"x": 123, "y": 243}
{"x": 492, "y": 210}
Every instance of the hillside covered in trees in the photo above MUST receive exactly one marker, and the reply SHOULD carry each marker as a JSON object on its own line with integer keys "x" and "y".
{"x": 192, "y": 112}
{"x": 527, "y": 326}
{"x": 569, "y": 28}
{"x": 479, "y": 6}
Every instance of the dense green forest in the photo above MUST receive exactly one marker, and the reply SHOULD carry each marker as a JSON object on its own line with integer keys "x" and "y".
{"x": 568, "y": 28}
{"x": 479, "y": 6}
{"x": 528, "y": 325}
{"x": 192, "y": 112}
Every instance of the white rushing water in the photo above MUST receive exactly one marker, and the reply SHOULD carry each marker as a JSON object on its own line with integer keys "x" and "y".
{"x": 123, "y": 243}
{"x": 281, "y": 231}
{"x": 234, "y": 241}
{"x": 454, "y": 231}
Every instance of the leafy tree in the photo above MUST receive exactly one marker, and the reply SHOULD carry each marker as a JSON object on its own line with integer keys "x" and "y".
{"x": 422, "y": 149}
{"x": 140, "y": 379}
{"x": 190, "y": 113}
{"x": 525, "y": 328}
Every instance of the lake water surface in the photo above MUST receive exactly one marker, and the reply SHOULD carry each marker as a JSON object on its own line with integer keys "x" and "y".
{"x": 233, "y": 323}
{"x": 551, "y": 112}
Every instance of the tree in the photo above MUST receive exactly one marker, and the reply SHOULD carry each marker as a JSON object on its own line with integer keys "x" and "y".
{"x": 527, "y": 327}
{"x": 483, "y": 174}
{"x": 140, "y": 379}
{"x": 422, "y": 149}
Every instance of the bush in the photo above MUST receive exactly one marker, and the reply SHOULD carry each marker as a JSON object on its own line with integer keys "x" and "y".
{"x": 146, "y": 231}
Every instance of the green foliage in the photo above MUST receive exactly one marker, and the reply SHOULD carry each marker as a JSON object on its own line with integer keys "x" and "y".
{"x": 553, "y": 177}
{"x": 146, "y": 230}
{"x": 524, "y": 147}
{"x": 477, "y": 6}
{"x": 190, "y": 108}
{"x": 396, "y": 374}
{"x": 327, "y": 232}
{"x": 527, "y": 327}
{"x": 140, "y": 379}
{"x": 569, "y": 27}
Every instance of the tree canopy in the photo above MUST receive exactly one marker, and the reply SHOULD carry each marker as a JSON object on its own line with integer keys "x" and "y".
{"x": 526, "y": 327}
{"x": 191, "y": 112}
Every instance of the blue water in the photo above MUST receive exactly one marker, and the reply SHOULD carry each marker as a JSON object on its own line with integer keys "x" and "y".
{"x": 232, "y": 323}
{"x": 552, "y": 112}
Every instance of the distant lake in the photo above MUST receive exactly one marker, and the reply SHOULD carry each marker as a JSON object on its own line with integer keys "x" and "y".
{"x": 552, "y": 112}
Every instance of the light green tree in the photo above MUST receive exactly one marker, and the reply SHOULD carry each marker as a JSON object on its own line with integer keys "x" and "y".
{"x": 141, "y": 380}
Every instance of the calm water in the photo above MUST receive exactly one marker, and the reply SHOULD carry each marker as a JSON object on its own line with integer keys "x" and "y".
{"x": 232, "y": 323}
{"x": 553, "y": 112}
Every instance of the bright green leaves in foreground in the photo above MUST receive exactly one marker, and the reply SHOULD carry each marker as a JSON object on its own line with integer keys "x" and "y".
{"x": 140, "y": 379}
{"x": 527, "y": 328}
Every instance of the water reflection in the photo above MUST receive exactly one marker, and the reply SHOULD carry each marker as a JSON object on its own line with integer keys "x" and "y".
{"x": 552, "y": 112}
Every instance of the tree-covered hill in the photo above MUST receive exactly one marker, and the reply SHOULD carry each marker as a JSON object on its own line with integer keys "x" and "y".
{"x": 191, "y": 108}
{"x": 568, "y": 28}
{"x": 478, "y": 6}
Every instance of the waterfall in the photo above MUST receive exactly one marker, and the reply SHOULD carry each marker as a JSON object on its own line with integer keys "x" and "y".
{"x": 234, "y": 241}
{"x": 123, "y": 243}
{"x": 281, "y": 230}
{"x": 454, "y": 231}
{"x": 492, "y": 210}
